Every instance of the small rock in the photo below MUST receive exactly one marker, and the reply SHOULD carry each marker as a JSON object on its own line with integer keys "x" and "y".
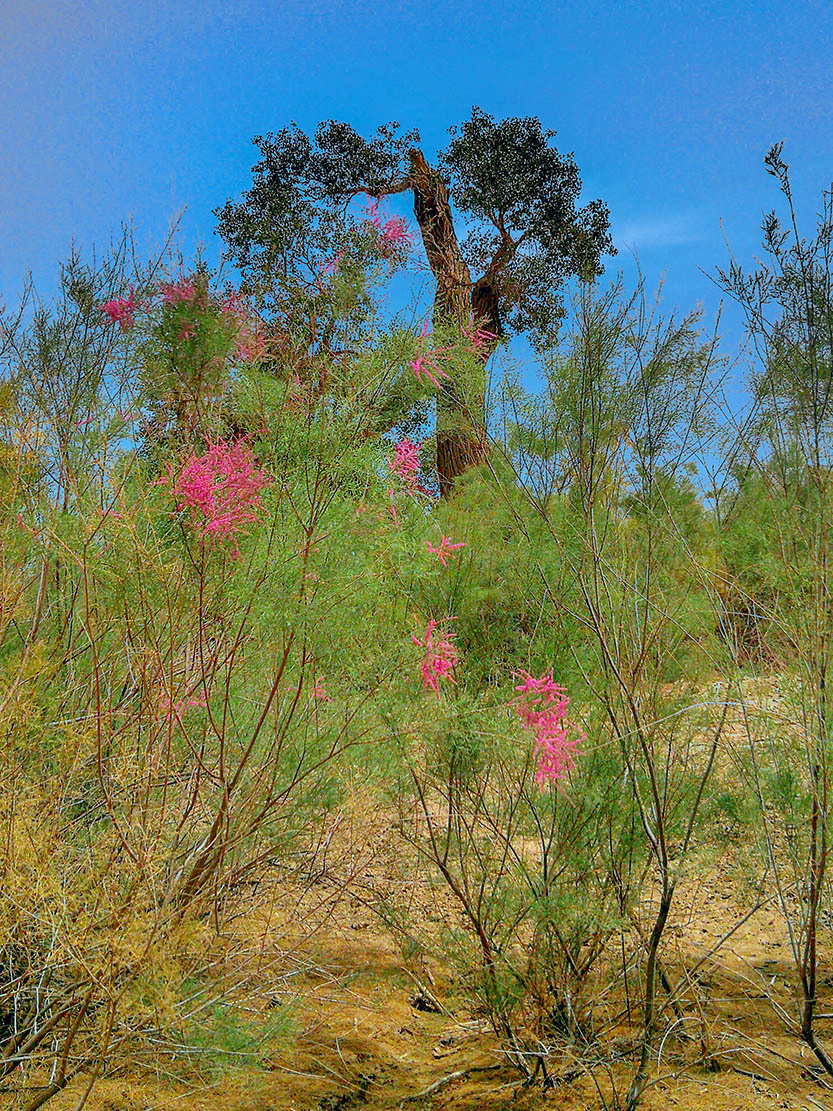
{"x": 422, "y": 1001}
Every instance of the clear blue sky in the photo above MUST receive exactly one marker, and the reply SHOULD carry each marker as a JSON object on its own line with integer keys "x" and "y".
{"x": 111, "y": 110}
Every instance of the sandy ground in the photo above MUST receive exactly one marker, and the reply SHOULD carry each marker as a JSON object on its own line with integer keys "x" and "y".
{"x": 362, "y": 1039}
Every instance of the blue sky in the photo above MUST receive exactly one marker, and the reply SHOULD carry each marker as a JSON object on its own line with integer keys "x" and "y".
{"x": 116, "y": 110}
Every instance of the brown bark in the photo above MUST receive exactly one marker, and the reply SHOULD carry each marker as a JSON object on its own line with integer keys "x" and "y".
{"x": 461, "y": 426}
{"x": 641, "y": 1078}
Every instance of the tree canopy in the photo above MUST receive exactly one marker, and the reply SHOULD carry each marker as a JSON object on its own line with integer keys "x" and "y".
{"x": 521, "y": 232}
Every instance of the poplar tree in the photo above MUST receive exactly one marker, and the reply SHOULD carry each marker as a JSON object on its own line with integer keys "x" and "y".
{"x": 498, "y": 218}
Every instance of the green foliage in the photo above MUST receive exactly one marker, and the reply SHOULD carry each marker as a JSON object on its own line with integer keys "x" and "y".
{"x": 188, "y": 720}
{"x": 513, "y": 185}
{"x": 225, "y": 1039}
{"x": 521, "y": 191}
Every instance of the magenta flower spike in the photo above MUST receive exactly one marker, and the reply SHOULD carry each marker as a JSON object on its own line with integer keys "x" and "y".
{"x": 405, "y": 462}
{"x": 221, "y": 489}
{"x": 542, "y": 707}
{"x": 392, "y": 233}
{"x": 175, "y": 293}
{"x": 445, "y": 550}
{"x": 121, "y": 310}
{"x": 395, "y": 231}
{"x": 440, "y": 657}
{"x": 422, "y": 364}
{"x": 477, "y": 337}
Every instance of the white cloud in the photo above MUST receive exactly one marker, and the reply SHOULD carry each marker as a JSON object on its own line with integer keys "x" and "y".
{"x": 660, "y": 231}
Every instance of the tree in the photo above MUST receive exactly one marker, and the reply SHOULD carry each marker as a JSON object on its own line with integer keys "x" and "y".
{"x": 524, "y": 235}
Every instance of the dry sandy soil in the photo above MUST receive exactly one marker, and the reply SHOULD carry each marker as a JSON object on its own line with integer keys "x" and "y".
{"x": 361, "y": 1040}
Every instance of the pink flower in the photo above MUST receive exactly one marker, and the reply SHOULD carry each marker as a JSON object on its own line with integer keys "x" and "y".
{"x": 121, "y": 310}
{"x": 394, "y": 235}
{"x": 183, "y": 290}
{"x": 318, "y": 690}
{"x": 187, "y": 330}
{"x": 405, "y": 462}
{"x": 542, "y": 707}
{"x": 393, "y": 232}
{"x": 422, "y": 364}
{"x": 477, "y": 336}
{"x": 537, "y": 693}
{"x": 222, "y": 490}
{"x": 440, "y": 657}
{"x": 443, "y": 553}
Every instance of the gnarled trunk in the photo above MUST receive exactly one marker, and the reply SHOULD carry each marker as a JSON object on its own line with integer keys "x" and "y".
{"x": 461, "y": 405}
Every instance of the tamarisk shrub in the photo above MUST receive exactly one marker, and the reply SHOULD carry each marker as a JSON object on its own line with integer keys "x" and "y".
{"x": 197, "y": 339}
{"x": 642, "y": 589}
{"x": 169, "y": 749}
{"x": 528, "y": 871}
{"x": 778, "y": 543}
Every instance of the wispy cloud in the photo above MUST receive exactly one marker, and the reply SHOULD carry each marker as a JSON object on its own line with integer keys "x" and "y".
{"x": 657, "y": 232}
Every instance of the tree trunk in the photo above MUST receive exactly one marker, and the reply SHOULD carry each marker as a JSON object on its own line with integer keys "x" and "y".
{"x": 461, "y": 405}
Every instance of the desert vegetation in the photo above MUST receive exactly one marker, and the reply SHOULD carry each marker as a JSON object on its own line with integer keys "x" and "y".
{"x": 363, "y": 707}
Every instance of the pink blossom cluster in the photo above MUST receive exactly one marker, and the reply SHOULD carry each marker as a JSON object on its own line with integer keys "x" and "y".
{"x": 393, "y": 232}
{"x": 405, "y": 465}
{"x": 478, "y": 336}
{"x": 542, "y": 707}
{"x": 121, "y": 310}
{"x": 425, "y": 364}
{"x": 445, "y": 550}
{"x": 176, "y": 293}
{"x": 440, "y": 657}
{"x": 250, "y": 343}
{"x": 405, "y": 461}
{"x": 222, "y": 490}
